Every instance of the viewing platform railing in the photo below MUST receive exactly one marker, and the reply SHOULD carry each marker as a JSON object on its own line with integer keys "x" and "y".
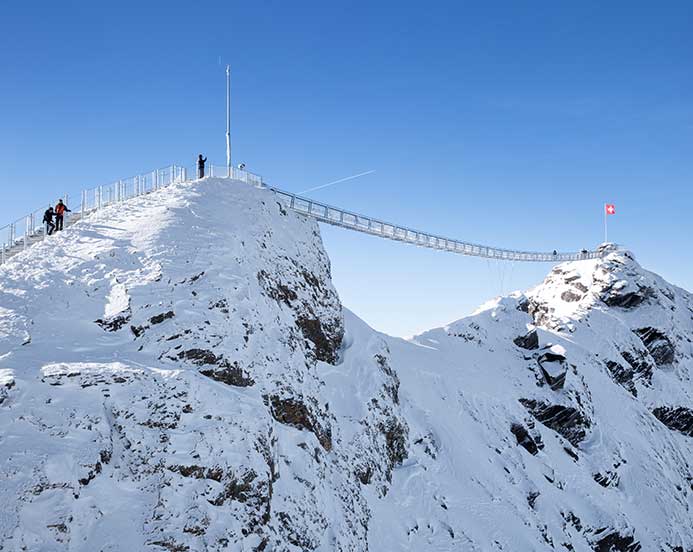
{"x": 20, "y": 234}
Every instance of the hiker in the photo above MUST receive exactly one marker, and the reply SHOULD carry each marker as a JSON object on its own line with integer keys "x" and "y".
{"x": 555, "y": 253}
{"x": 201, "y": 166}
{"x": 60, "y": 210}
{"x": 48, "y": 219}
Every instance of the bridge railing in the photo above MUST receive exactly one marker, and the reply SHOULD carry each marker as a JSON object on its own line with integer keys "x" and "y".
{"x": 369, "y": 225}
{"x": 21, "y": 233}
{"x": 24, "y": 231}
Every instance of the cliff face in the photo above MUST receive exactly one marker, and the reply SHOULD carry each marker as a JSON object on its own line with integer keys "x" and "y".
{"x": 177, "y": 373}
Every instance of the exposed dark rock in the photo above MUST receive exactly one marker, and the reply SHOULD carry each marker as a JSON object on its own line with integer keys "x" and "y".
{"x": 570, "y": 296}
{"x": 300, "y": 541}
{"x": 230, "y": 375}
{"x": 221, "y": 304}
{"x": 641, "y": 365}
{"x": 529, "y": 341}
{"x": 294, "y": 413}
{"x": 365, "y": 474}
{"x": 606, "y": 479}
{"x": 159, "y": 318}
{"x": 199, "y": 472}
{"x": 194, "y": 530}
{"x": 392, "y": 386}
{"x": 326, "y": 343}
{"x": 523, "y": 304}
{"x": 276, "y": 290}
{"x": 615, "y": 542}
{"x": 137, "y": 330}
{"x": 573, "y": 520}
{"x": 524, "y": 439}
{"x": 550, "y": 356}
{"x": 622, "y": 376}
{"x": 565, "y": 420}
{"x": 115, "y": 323}
{"x": 199, "y": 357}
{"x": 570, "y": 452}
{"x": 581, "y": 287}
{"x": 395, "y": 441}
{"x": 658, "y": 345}
{"x": 238, "y": 489}
{"x": 532, "y": 498}
{"x": 170, "y": 545}
{"x": 679, "y": 419}
{"x": 627, "y": 299}
{"x": 91, "y": 475}
{"x": 554, "y": 369}
{"x": 195, "y": 278}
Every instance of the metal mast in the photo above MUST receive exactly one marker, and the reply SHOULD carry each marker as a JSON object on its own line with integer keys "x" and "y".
{"x": 228, "y": 120}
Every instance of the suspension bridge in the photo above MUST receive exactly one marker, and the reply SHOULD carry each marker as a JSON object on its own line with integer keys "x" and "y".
{"x": 19, "y": 235}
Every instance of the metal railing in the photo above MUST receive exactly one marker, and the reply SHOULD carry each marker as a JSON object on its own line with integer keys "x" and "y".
{"x": 20, "y": 234}
{"x": 362, "y": 223}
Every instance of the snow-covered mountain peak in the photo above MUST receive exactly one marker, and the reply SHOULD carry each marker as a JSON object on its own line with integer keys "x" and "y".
{"x": 177, "y": 373}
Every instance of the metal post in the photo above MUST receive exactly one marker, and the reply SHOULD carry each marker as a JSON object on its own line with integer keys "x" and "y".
{"x": 228, "y": 121}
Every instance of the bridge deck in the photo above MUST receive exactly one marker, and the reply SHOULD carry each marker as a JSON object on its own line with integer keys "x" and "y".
{"x": 368, "y": 225}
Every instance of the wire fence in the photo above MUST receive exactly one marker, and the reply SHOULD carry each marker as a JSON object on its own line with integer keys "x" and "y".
{"x": 21, "y": 233}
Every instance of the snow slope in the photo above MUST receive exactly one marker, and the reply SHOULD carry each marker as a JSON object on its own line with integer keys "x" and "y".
{"x": 177, "y": 373}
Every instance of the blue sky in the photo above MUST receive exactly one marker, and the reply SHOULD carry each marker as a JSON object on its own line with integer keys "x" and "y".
{"x": 507, "y": 123}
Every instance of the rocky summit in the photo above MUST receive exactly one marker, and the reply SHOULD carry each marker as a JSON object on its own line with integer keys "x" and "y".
{"x": 177, "y": 373}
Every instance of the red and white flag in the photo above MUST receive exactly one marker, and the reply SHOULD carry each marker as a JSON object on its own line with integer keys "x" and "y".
{"x": 610, "y": 209}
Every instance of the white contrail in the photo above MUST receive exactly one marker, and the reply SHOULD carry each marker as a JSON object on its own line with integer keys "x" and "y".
{"x": 336, "y": 182}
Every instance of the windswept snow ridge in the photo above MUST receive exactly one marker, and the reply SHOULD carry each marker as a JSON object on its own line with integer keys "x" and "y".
{"x": 177, "y": 374}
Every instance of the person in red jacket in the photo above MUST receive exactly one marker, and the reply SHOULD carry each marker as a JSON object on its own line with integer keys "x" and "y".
{"x": 60, "y": 210}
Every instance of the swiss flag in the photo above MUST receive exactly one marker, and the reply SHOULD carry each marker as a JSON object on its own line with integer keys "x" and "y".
{"x": 610, "y": 209}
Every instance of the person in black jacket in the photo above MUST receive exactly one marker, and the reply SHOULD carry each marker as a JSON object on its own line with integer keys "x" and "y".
{"x": 48, "y": 220}
{"x": 201, "y": 166}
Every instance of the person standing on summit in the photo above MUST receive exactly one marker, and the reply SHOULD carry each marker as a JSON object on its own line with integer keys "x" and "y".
{"x": 201, "y": 166}
{"x": 60, "y": 210}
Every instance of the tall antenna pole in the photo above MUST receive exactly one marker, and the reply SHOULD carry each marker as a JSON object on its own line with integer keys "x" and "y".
{"x": 228, "y": 120}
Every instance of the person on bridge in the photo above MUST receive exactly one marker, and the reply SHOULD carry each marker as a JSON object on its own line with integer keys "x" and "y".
{"x": 60, "y": 210}
{"x": 201, "y": 166}
{"x": 48, "y": 220}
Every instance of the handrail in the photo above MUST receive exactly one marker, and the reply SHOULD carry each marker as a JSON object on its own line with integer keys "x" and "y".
{"x": 343, "y": 218}
{"x": 98, "y": 197}
{"x": 21, "y": 233}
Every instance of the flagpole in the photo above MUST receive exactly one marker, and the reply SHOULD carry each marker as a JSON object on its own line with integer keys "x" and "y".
{"x": 606, "y": 228}
{"x": 228, "y": 121}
